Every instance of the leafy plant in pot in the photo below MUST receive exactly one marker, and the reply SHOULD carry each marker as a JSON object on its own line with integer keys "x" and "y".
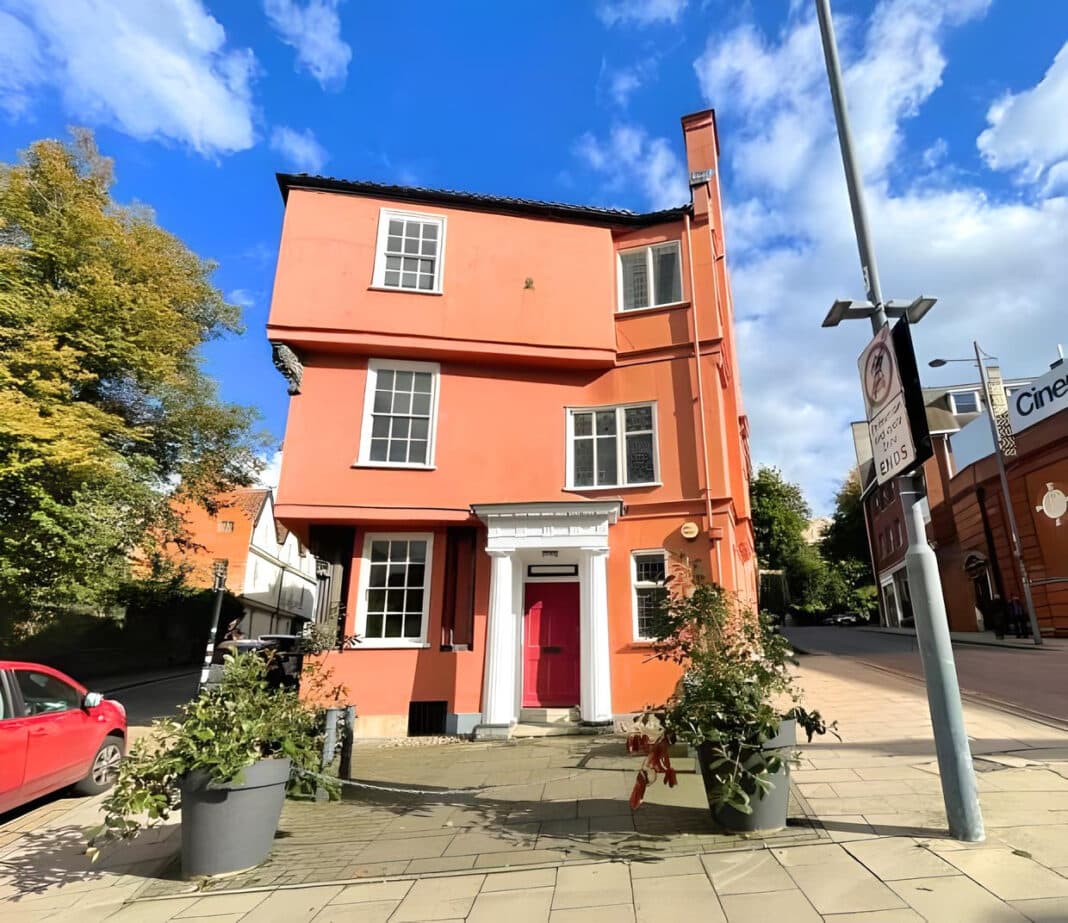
{"x": 737, "y": 703}
{"x": 227, "y": 761}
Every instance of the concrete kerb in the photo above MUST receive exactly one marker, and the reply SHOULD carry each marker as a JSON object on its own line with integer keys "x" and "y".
{"x": 144, "y": 681}
{"x": 976, "y": 698}
{"x": 959, "y": 637}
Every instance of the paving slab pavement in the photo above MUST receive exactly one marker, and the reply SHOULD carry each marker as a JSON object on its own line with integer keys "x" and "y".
{"x": 883, "y": 854}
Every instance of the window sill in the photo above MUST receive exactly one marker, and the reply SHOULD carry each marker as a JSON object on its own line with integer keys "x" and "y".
{"x": 405, "y": 291}
{"x": 399, "y": 466}
{"x": 673, "y": 306}
{"x": 378, "y": 645}
{"x": 581, "y": 490}
{"x": 640, "y": 644}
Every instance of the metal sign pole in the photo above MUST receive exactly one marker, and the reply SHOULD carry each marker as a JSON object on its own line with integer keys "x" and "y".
{"x": 932, "y": 628}
{"x": 1010, "y": 513}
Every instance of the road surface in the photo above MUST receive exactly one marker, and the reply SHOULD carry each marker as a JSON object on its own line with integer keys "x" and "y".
{"x": 155, "y": 699}
{"x": 1033, "y": 679}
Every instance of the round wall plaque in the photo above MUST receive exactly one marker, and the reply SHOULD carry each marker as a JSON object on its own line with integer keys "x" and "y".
{"x": 689, "y": 530}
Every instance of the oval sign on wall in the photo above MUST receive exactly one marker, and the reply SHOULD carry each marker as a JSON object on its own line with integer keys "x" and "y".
{"x": 689, "y": 530}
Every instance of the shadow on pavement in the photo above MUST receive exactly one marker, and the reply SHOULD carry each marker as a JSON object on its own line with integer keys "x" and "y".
{"x": 55, "y": 858}
{"x": 884, "y": 830}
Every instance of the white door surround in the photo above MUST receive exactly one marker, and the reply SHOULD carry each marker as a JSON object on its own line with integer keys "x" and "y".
{"x": 518, "y": 533}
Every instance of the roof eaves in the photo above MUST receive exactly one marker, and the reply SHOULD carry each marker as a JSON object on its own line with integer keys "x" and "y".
{"x": 586, "y": 214}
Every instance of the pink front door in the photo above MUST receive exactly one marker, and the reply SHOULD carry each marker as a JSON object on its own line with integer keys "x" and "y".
{"x": 551, "y": 645}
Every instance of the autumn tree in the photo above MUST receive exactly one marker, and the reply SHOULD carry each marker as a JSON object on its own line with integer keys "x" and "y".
{"x": 104, "y": 405}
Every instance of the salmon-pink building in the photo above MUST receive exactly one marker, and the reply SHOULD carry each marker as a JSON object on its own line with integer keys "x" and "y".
{"x": 506, "y": 414}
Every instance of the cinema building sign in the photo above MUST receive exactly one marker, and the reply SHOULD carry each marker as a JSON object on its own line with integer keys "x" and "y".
{"x": 1041, "y": 399}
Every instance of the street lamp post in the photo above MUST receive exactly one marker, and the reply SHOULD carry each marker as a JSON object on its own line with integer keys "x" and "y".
{"x": 1010, "y": 513}
{"x": 932, "y": 628}
{"x": 219, "y": 585}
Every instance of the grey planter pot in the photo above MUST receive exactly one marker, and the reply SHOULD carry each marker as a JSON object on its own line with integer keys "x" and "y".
{"x": 228, "y": 827}
{"x": 770, "y": 811}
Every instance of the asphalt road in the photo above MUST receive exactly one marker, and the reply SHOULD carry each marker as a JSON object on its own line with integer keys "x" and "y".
{"x": 155, "y": 699}
{"x": 1033, "y": 679}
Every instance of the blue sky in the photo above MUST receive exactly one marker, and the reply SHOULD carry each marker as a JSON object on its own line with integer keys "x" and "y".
{"x": 958, "y": 108}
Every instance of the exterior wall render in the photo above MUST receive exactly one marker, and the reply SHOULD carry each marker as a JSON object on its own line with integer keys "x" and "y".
{"x": 383, "y": 681}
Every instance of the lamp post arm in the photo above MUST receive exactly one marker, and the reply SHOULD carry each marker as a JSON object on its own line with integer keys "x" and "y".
{"x": 1006, "y": 496}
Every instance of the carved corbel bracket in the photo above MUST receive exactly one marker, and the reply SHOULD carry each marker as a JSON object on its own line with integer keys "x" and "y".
{"x": 288, "y": 363}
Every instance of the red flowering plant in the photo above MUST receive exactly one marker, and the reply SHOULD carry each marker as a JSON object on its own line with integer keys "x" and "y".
{"x": 735, "y": 692}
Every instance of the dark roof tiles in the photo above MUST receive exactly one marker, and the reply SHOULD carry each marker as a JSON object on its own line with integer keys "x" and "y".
{"x": 250, "y": 501}
{"x": 479, "y": 201}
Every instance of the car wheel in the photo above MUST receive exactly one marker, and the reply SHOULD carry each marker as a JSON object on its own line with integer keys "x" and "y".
{"x": 104, "y": 769}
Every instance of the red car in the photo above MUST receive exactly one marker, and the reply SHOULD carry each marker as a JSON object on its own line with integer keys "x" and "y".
{"x": 54, "y": 733}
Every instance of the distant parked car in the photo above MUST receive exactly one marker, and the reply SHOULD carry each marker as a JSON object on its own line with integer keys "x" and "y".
{"x": 281, "y": 652}
{"x": 845, "y": 619}
{"x": 55, "y": 733}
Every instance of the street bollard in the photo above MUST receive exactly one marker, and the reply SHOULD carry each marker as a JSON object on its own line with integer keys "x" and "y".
{"x": 345, "y": 769}
{"x": 329, "y": 749}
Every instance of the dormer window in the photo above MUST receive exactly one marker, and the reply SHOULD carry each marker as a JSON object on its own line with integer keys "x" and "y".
{"x": 650, "y": 277}
{"x": 410, "y": 252}
{"x": 964, "y": 401}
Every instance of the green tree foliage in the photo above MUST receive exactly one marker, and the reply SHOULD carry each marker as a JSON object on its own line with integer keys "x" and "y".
{"x": 780, "y": 517}
{"x": 834, "y": 577}
{"x": 845, "y": 547}
{"x": 103, "y": 402}
{"x": 846, "y": 538}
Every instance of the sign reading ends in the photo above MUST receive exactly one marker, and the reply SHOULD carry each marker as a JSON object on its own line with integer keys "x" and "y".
{"x": 894, "y": 403}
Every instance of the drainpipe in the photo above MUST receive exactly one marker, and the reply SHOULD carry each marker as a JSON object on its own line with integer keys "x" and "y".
{"x": 700, "y": 382}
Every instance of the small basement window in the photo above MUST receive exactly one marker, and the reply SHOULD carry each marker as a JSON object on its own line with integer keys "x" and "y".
{"x": 426, "y": 719}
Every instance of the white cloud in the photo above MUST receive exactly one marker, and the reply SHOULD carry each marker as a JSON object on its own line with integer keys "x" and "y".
{"x": 242, "y": 297}
{"x": 629, "y": 157}
{"x": 1057, "y": 179}
{"x": 639, "y": 12}
{"x": 1029, "y": 130}
{"x": 21, "y": 65}
{"x": 299, "y": 148}
{"x": 936, "y": 154}
{"x": 619, "y": 84}
{"x": 158, "y": 70}
{"x": 997, "y": 267}
{"x": 271, "y": 472}
{"x": 314, "y": 30}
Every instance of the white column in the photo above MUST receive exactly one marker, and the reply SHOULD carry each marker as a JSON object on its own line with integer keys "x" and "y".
{"x": 498, "y": 696}
{"x": 596, "y": 687}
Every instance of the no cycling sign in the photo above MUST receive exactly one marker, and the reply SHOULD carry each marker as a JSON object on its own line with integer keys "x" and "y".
{"x": 893, "y": 399}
